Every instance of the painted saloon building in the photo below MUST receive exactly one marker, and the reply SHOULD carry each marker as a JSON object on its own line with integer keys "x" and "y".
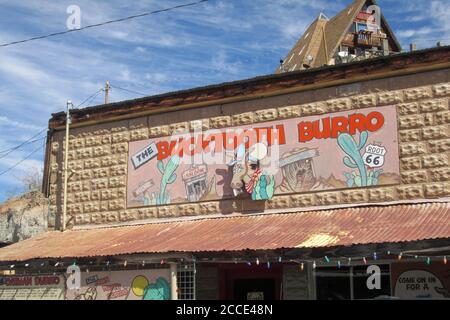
{"x": 328, "y": 180}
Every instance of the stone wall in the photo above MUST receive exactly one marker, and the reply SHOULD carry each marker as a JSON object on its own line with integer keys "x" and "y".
{"x": 99, "y": 153}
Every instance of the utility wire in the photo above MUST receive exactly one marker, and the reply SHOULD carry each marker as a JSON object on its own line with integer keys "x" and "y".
{"x": 128, "y": 90}
{"x": 93, "y": 96}
{"x": 30, "y": 140}
{"x": 23, "y": 144}
{"x": 19, "y": 162}
{"x": 6, "y": 152}
{"x": 104, "y": 23}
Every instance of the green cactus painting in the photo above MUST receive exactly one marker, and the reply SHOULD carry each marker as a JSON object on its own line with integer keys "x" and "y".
{"x": 160, "y": 290}
{"x": 265, "y": 188}
{"x": 168, "y": 177}
{"x": 354, "y": 159}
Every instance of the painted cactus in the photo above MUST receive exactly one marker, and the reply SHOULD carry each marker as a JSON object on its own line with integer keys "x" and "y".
{"x": 265, "y": 188}
{"x": 168, "y": 177}
{"x": 160, "y": 290}
{"x": 354, "y": 158}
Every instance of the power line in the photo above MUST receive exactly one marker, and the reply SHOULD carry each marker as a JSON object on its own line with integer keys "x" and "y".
{"x": 93, "y": 96}
{"x": 104, "y": 23}
{"x": 8, "y": 151}
{"x": 19, "y": 162}
{"x": 24, "y": 144}
{"x": 128, "y": 90}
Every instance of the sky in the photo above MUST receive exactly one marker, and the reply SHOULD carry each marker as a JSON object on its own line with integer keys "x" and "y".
{"x": 214, "y": 42}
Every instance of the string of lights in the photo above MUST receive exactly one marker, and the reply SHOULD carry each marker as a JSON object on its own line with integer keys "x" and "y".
{"x": 104, "y": 23}
{"x": 338, "y": 262}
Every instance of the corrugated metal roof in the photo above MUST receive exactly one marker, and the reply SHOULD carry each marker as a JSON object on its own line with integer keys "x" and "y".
{"x": 328, "y": 228}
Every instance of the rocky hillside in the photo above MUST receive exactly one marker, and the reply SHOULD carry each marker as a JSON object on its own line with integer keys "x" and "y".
{"x": 23, "y": 217}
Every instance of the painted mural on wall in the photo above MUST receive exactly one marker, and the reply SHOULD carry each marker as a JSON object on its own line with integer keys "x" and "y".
{"x": 123, "y": 285}
{"x": 32, "y": 287}
{"x": 343, "y": 150}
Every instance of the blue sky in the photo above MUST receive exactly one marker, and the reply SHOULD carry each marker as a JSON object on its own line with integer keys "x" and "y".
{"x": 211, "y": 43}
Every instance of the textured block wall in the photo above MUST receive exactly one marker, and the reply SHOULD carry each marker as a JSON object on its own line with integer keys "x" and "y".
{"x": 98, "y": 155}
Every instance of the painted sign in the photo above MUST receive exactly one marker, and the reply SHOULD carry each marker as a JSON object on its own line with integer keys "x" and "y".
{"x": 419, "y": 281}
{"x": 153, "y": 284}
{"x": 343, "y": 150}
{"x": 32, "y": 287}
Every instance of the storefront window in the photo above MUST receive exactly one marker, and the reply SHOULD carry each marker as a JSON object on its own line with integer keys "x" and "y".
{"x": 360, "y": 289}
{"x": 348, "y": 283}
{"x": 333, "y": 284}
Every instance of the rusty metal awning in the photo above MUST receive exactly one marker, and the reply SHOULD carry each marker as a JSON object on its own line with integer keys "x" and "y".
{"x": 327, "y": 228}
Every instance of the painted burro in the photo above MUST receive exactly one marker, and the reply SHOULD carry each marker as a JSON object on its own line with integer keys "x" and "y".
{"x": 329, "y": 179}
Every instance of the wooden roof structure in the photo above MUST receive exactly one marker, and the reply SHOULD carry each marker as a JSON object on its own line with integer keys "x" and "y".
{"x": 324, "y": 36}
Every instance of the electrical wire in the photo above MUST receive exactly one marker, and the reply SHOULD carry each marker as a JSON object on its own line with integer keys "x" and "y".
{"x": 128, "y": 90}
{"x": 104, "y": 23}
{"x": 30, "y": 140}
{"x": 91, "y": 97}
{"x": 19, "y": 162}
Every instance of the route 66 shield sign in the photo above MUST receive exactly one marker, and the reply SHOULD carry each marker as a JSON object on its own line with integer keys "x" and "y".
{"x": 374, "y": 156}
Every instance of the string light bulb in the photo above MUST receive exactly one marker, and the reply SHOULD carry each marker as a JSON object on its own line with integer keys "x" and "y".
{"x": 375, "y": 257}
{"x": 268, "y": 264}
{"x": 339, "y": 264}
{"x": 428, "y": 261}
{"x": 125, "y": 263}
{"x": 364, "y": 260}
{"x": 445, "y": 260}
{"x": 314, "y": 264}
{"x": 302, "y": 266}
{"x": 162, "y": 261}
{"x": 279, "y": 259}
{"x": 400, "y": 255}
{"x": 249, "y": 263}
{"x": 143, "y": 263}
{"x": 257, "y": 261}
